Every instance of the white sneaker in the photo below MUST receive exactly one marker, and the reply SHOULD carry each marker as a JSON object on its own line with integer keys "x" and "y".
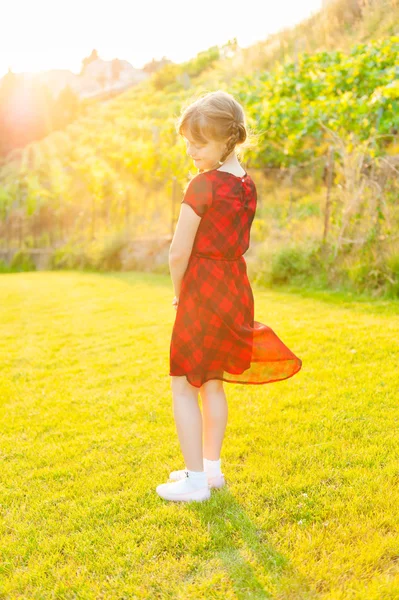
{"x": 217, "y": 481}
{"x": 183, "y": 491}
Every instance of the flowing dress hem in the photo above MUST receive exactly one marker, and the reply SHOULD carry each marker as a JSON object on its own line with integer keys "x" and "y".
{"x": 238, "y": 381}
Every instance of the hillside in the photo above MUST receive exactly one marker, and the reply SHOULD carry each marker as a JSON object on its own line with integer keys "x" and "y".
{"x": 338, "y": 26}
{"x": 326, "y": 118}
{"x": 96, "y": 77}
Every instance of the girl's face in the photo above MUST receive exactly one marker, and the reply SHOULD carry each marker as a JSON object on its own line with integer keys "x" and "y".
{"x": 205, "y": 156}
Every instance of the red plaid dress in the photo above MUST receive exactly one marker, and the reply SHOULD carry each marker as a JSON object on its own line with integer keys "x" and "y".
{"x": 214, "y": 334}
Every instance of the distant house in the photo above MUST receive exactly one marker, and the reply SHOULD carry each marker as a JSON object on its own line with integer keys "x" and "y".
{"x": 101, "y": 75}
{"x": 98, "y": 77}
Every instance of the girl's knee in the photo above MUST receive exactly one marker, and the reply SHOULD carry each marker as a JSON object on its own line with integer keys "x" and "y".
{"x": 181, "y": 386}
{"x": 212, "y": 386}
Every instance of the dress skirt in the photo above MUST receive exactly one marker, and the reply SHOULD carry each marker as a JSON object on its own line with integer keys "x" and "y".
{"x": 215, "y": 335}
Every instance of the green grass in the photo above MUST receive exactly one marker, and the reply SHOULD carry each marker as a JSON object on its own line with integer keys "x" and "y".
{"x": 87, "y": 433}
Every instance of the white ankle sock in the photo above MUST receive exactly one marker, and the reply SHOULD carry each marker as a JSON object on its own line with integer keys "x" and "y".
{"x": 212, "y": 467}
{"x": 198, "y": 479}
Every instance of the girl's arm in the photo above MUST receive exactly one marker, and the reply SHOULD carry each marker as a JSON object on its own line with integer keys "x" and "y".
{"x": 196, "y": 201}
{"x": 177, "y": 267}
{"x": 182, "y": 244}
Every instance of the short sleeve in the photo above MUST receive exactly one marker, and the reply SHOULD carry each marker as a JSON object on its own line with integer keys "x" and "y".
{"x": 199, "y": 194}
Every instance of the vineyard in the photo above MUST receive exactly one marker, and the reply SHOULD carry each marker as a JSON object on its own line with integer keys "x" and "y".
{"x": 328, "y": 121}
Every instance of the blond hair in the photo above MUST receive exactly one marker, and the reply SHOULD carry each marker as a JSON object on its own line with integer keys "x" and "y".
{"x": 215, "y": 116}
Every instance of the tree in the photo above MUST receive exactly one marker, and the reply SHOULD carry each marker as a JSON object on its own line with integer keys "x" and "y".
{"x": 156, "y": 65}
{"x": 66, "y": 108}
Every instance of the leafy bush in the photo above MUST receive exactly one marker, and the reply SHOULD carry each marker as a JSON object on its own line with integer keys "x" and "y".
{"x": 110, "y": 257}
{"x": 260, "y": 230}
{"x": 296, "y": 263}
{"x": 4, "y": 267}
{"x": 69, "y": 256}
{"x": 21, "y": 261}
{"x": 366, "y": 273}
{"x": 393, "y": 265}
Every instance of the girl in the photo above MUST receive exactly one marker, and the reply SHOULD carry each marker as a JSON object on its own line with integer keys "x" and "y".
{"x": 214, "y": 337}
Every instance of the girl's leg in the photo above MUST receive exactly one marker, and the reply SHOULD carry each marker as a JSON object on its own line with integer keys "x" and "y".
{"x": 188, "y": 421}
{"x": 214, "y": 414}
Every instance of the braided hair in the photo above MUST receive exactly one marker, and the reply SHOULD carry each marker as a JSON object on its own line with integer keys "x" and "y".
{"x": 217, "y": 116}
{"x": 237, "y": 135}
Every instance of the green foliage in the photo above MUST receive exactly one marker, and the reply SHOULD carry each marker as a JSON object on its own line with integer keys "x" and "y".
{"x": 165, "y": 76}
{"x": 81, "y": 183}
{"x": 354, "y": 94}
{"x": 21, "y": 261}
{"x": 260, "y": 230}
{"x": 4, "y": 267}
{"x": 202, "y": 61}
{"x": 393, "y": 267}
{"x": 101, "y": 254}
{"x": 108, "y": 255}
{"x": 370, "y": 274}
{"x": 169, "y": 77}
{"x": 70, "y": 256}
{"x": 293, "y": 111}
{"x": 295, "y": 263}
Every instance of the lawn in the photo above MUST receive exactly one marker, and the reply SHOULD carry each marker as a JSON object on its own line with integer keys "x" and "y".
{"x": 311, "y": 505}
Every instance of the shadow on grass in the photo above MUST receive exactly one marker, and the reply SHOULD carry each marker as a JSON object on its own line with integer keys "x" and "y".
{"x": 232, "y": 533}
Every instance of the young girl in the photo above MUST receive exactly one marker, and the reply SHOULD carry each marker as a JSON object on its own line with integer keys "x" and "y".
{"x": 214, "y": 337}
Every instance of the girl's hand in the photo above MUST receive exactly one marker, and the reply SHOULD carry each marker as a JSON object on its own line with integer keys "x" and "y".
{"x": 175, "y": 302}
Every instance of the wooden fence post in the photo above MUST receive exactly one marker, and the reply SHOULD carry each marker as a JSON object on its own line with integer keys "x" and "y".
{"x": 7, "y": 226}
{"x": 127, "y": 211}
{"x": 93, "y": 217}
{"x": 174, "y": 191}
{"x": 20, "y": 229}
{"x": 290, "y": 180}
{"x": 330, "y": 170}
